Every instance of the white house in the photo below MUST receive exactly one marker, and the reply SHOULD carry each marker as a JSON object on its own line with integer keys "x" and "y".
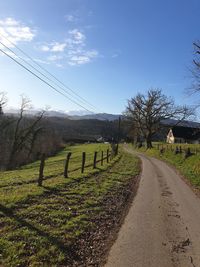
{"x": 183, "y": 134}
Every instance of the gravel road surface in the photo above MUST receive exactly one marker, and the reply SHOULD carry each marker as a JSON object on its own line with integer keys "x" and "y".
{"x": 162, "y": 228}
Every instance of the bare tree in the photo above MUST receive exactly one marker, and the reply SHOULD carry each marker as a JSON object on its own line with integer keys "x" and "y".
{"x": 3, "y": 101}
{"x": 195, "y": 88}
{"x": 24, "y": 137}
{"x": 25, "y": 132}
{"x": 147, "y": 111}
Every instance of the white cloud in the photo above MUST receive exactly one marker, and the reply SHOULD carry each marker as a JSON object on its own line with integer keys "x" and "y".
{"x": 45, "y": 48}
{"x": 58, "y": 47}
{"x": 15, "y": 31}
{"x": 73, "y": 49}
{"x": 78, "y": 54}
{"x": 53, "y": 47}
{"x": 73, "y": 17}
{"x": 54, "y": 57}
{"x": 92, "y": 53}
{"x": 76, "y": 37}
{"x": 82, "y": 58}
{"x": 78, "y": 60}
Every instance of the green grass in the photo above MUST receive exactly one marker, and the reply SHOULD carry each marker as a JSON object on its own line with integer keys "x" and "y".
{"x": 11, "y": 189}
{"x": 38, "y": 225}
{"x": 189, "y": 167}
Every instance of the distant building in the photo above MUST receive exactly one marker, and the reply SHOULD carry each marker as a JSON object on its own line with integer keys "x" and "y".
{"x": 100, "y": 139}
{"x": 170, "y": 137}
{"x": 183, "y": 132}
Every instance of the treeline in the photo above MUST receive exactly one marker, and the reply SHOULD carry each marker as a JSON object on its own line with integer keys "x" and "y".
{"x": 86, "y": 130}
{"x": 24, "y": 138}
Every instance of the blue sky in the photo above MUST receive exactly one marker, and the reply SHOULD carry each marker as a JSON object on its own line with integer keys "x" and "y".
{"x": 105, "y": 50}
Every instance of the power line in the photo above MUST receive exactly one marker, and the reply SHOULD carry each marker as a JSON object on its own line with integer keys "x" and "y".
{"x": 41, "y": 79}
{"x": 36, "y": 69}
{"x": 75, "y": 102}
{"x": 34, "y": 61}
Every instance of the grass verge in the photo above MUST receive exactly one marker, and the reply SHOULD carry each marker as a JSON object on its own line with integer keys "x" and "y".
{"x": 189, "y": 167}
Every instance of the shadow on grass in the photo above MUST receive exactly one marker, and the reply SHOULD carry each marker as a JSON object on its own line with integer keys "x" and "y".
{"x": 55, "y": 241}
{"x": 33, "y": 181}
{"x": 111, "y": 172}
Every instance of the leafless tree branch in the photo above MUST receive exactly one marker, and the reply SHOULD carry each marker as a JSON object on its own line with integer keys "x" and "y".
{"x": 147, "y": 111}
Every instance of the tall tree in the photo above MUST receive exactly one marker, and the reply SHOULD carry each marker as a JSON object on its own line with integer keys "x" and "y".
{"x": 196, "y": 69}
{"x": 147, "y": 111}
{"x": 24, "y": 133}
{"x": 3, "y": 101}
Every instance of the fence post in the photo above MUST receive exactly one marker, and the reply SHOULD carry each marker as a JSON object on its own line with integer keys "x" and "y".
{"x": 95, "y": 160}
{"x": 176, "y": 150}
{"x": 67, "y": 164}
{"x": 187, "y": 153}
{"x": 83, "y": 162}
{"x": 107, "y": 158}
{"x": 101, "y": 158}
{"x": 41, "y": 170}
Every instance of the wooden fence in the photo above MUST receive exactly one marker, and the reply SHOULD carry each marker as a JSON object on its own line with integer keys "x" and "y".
{"x": 104, "y": 156}
{"x": 185, "y": 149}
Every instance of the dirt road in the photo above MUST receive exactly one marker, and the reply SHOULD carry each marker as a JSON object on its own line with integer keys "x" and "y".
{"x": 162, "y": 228}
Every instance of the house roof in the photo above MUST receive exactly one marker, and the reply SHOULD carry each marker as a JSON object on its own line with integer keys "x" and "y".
{"x": 186, "y": 133}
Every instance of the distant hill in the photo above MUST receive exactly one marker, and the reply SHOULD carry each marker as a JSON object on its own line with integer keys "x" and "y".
{"x": 99, "y": 116}
{"x": 62, "y": 114}
{"x": 184, "y": 123}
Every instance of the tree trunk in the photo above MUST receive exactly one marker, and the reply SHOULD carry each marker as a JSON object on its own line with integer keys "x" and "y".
{"x": 149, "y": 142}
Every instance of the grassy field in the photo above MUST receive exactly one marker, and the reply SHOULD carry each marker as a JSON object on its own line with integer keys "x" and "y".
{"x": 40, "y": 225}
{"x": 189, "y": 167}
{"x": 11, "y": 181}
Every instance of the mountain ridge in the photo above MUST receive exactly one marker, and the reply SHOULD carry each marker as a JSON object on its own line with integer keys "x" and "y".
{"x": 62, "y": 114}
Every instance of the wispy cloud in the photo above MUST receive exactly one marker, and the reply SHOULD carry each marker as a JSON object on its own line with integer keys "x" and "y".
{"x": 15, "y": 31}
{"x": 54, "y": 57}
{"x": 74, "y": 17}
{"x": 71, "y": 18}
{"x": 78, "y": 54}
{"x": 73, "y": 49}
{"x": 54, "y": 47}
{"x": 76, "y": 37}
{"x": 58, "y": 47}
{"x": 115, "y": 55}
{"x": 83, "y": 57}
{"x": 45, "y": 48}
